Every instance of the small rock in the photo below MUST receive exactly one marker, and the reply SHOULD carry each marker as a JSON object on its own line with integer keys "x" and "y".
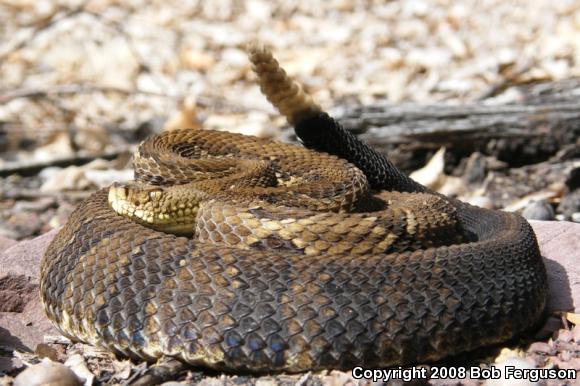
{"x": 564, "y": 336}
{"x": 24, "y": 224}
{"x": 44, "y": 350}
{"x": 542, "y": 348}
{"x": 76, "y": 362}
{"x": 538, "y": 360}
{"x": 196, "y": 60}
{"x": 47, "y": 374}
{"x": 59, "y": 146}
{"x": 572, "y": 363}
{"x": 566, "y": 346}
{"x": 72, "y": 177}
{"x": 475, "y": 169}
{"x": 518, "y": 363}
{"x": 60, "y": 217}
{"x": 39, "y": 205}
{"x": 539, "y": 210}
{"x": 266, "y": 381}
{"x": 570, "y": 206}
{"x": 26, "y": 323}
{"x": 573, "y": 179}
{"x": 565, "y": 356}
{"x": 24, "y": 257}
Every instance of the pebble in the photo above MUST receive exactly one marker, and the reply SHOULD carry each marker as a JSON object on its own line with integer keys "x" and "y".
{"x": 39, "y": 205}
{"x": 475, "y": 169}
{"x": 570, "y": 206}
{"x": 565, "y": 356}
{"x": 21, "y": 225}
{"x": 518, "y": 363}
{"x": 539, "y": 210}
{"x": 572, "y": 363}
{"x": 573, "y": 180}
{"x": 565, "y": 336}
{"x": 70, "y": 178}
{"x": 542, "y": 348}
{"x": 47, "y": 374}
{"x": 44, "y": 350}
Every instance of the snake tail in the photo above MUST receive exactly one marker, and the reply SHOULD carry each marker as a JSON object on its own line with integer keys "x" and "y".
{"x": 281, "y": 90}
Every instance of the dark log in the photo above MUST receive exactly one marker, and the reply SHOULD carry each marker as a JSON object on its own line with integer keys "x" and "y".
{"x": 544, "y": 120}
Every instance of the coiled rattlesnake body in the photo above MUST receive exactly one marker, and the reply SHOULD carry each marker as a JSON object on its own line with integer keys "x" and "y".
{"x": 300, "y": 260}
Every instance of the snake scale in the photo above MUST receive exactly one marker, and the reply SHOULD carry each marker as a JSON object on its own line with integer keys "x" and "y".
{"x": 297, "y": 258}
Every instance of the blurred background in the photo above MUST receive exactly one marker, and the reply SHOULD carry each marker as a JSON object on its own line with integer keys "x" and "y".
{"x": 82, "y": 82}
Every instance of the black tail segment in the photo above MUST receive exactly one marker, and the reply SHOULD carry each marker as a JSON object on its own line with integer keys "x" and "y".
{"x": 321, "y": 132}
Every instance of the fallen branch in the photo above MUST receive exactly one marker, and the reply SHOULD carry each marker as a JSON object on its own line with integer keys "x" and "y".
{"x": 165, "y": 370}
{"x": 33, "y": 168}
{"x": 545, "y": 119}
{"x": 68, "y": 89}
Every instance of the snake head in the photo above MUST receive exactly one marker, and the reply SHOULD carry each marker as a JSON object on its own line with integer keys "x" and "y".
{"x": 136, "y": 201}
{"x": 165, "y": 209}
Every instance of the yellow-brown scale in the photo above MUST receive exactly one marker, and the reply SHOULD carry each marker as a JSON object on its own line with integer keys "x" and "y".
{"x": 393, "y": 229}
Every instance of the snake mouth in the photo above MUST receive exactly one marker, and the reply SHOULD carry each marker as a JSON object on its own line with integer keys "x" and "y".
{"x": 149, "y": 206}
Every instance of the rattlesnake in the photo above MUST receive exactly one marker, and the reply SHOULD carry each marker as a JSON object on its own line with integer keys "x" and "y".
{"x": 300, "y": 259}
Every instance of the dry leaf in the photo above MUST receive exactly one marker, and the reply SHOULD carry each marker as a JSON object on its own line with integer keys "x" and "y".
{"x": 186, "y": 118}
{"x": 432, "y": 175}
{"x": 573, "y": 318}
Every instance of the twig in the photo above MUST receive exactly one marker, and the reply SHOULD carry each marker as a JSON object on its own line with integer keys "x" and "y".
{"x": 168, "y": 370}
{"x": 70, "y": 89}
{"x": 32, "y": 169}
{"x": 32, "y": 194}
{"x": 505, "y": 81}
{"x": 56, "y": 339}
